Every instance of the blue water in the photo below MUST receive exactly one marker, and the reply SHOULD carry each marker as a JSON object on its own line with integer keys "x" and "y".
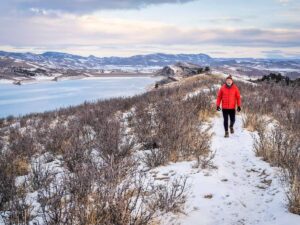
{"x": 39, "y": 97}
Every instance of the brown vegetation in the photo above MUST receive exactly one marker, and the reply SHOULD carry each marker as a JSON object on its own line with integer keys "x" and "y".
{"x": 278, "y": 142}
{"x": 80, "y": 162}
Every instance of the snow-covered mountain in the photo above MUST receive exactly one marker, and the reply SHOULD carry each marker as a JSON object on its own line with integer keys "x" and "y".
{"x": 65, "y": 60}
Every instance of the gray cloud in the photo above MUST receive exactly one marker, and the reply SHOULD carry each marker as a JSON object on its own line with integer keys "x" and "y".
{"x": 236, "y": 37}
{"x": 82, "y": 6}
{"x": 273, "y": 53}
{"x": 280, "y": 54}
{"x": 288, "y": 24}
{"x": 227, "y": 19}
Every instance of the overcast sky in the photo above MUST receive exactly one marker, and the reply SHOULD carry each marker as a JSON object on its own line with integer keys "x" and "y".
{"x": 220, "y": 28}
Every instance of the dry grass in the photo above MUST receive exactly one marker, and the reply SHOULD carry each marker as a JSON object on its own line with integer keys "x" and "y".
{"x": 280, "y": 144}
{"x": 97, "y": 156}
{"x": 21, "y": 166}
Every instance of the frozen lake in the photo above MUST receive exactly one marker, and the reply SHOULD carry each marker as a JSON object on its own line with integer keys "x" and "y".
{"x": 43, "y": 96}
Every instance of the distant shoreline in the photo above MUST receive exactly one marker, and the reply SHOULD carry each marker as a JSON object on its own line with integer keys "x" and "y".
{"x": 40, "y": 79}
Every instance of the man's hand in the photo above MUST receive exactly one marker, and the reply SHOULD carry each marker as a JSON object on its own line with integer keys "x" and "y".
{"x": 238, "y": 108}
{"x": 218, "y": 108}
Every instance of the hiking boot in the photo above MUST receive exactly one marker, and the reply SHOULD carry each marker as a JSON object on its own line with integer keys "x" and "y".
{"x": 226, "y": 134}
{"x": 231, "y": 130}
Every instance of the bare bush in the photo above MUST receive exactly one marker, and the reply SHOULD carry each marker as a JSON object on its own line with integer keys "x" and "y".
{"x": 7, "y": 177}
{"x": 280, "y": 145}
{"x": 154, "y": 158}
{"x": 22, "y": 144}
{"x": 2, "y": 122}
{"x": 175, "y": 129}
{"x": 145, "y": 126}
{"x": 170, "y": 197}
{"x": 40, "y": 176}
{"x": 125, "y": 204}
{"x": 252, "y": 121}
{"x": 261, "y": 141}
{"x": 99, "y": 180}
{"x": 55, "y": 138}
{"x": 54, "y": 204}
{"x": 19, "y": 211}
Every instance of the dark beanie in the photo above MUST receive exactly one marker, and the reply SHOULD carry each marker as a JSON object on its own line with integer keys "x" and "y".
{"x": 229, "y": 77}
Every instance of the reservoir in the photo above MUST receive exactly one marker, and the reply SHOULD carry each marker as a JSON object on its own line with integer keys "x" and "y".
{"x": 44, "y": 96}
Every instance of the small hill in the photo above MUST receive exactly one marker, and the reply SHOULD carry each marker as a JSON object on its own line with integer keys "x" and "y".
{"x": 182, "y": 69}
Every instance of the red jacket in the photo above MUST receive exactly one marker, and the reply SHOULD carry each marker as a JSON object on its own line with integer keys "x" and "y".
{"x": 230, "y": 97}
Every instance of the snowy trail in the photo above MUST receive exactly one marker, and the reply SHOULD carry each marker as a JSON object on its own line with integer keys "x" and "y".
{"x": 245, "y": 189}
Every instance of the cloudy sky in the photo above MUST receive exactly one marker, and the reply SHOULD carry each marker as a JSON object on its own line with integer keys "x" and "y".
{"x": 220, "y": 28}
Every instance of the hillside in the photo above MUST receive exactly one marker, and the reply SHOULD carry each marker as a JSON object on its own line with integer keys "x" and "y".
{"x": 156, "y": 158}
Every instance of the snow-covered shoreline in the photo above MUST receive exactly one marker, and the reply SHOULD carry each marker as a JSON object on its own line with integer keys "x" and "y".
{"x": 40, "y": 79}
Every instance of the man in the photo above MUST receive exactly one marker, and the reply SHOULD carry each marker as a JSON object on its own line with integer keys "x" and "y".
{"x": 229, "y": 95}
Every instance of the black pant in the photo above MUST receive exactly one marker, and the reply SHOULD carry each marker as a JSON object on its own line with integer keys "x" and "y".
{"x": 231, "y": 113}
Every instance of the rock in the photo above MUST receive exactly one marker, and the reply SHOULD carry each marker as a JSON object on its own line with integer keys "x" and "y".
{"x": 181, "y": 69}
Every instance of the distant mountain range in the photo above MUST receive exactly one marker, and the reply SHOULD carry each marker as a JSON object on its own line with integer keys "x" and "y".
{"x": 64, "y": 61}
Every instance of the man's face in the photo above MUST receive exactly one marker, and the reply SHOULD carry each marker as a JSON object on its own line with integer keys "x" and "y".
{"x": 229, "y": 82}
